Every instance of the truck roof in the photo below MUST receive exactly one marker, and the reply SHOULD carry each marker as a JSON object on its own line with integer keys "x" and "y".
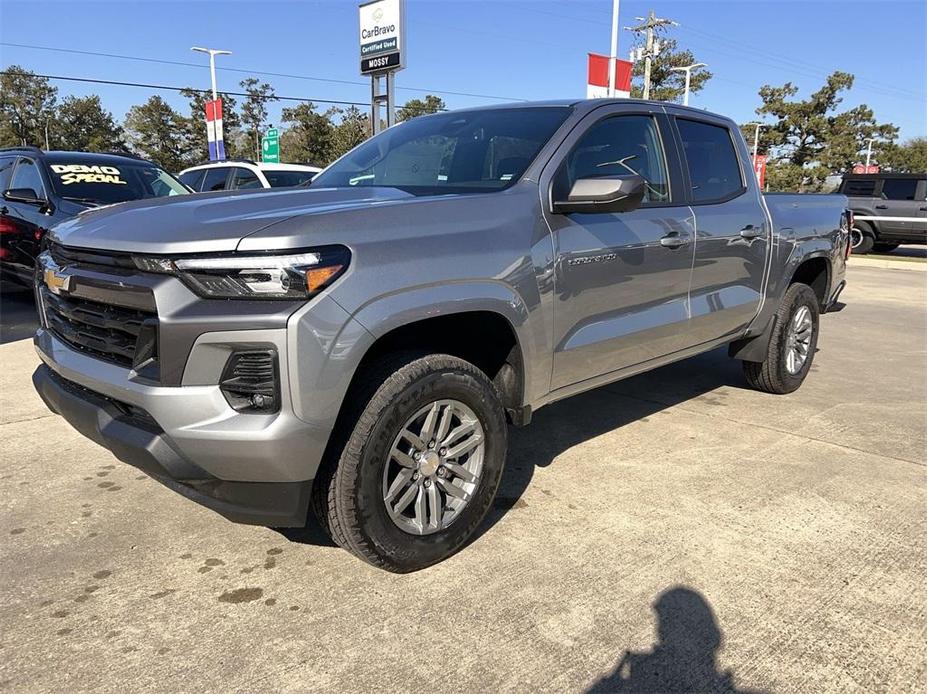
{"x": 588, "y": 104}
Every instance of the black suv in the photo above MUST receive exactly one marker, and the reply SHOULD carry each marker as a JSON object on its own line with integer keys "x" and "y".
{"x": 890, "y": 209}
{"x": 40, "y": 189}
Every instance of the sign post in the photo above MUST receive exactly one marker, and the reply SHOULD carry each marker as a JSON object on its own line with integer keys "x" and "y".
{"x": 382, "y": 53}
{"x": 270, "y": 146}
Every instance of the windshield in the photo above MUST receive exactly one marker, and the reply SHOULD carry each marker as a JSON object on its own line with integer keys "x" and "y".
{"x": 99, "y": 184}
{"x": 283, "y": 179}
{"x": 466, "y": 152}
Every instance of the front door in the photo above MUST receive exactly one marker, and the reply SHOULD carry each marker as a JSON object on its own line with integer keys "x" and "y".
{"x": 622, "y": 279}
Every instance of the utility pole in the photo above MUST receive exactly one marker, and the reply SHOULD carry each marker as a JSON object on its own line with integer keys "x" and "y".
{"x": 213, "y": 52}
{"x": 688, "y": 70}
{"x": 756, "y": 139}
{"x": 613, "y": 59}
{"x": 651, "y": 46}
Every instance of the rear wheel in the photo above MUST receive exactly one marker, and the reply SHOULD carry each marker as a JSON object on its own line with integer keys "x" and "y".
{"x": 421, "y": 465}
{"x": 791, "y": 346}
{"x": 862, "y": 238}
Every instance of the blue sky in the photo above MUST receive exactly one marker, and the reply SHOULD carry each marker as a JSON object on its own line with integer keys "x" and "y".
{"x": 512, "y": 49}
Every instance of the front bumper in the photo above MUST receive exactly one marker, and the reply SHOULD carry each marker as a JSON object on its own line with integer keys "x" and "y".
{"x": 251, "y": 468}
{"x": 135, "y": 438}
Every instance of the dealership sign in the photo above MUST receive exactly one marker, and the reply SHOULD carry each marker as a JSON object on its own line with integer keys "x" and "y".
{"x": 214, "y": 134}
{"x": 381, "y": 36}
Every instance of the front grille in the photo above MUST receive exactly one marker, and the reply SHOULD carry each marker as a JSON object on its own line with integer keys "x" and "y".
{"x": 113, "y": 333}
{"x": 121, "y": 264}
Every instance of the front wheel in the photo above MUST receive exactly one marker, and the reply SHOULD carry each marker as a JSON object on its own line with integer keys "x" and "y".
{"x": 792, "y": 344}
{"x": 422, "y": 465}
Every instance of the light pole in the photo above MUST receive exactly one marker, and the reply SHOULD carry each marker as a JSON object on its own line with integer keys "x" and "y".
{"x": 688, "y": 70}
{"x": 613, "y": 59}
{"x": 213, "y": 52}
{"x": 869, "y": 140}
{"x": 756, "y": 139}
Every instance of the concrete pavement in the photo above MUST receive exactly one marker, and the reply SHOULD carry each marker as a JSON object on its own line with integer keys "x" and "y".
{"x": 675, "y": 530}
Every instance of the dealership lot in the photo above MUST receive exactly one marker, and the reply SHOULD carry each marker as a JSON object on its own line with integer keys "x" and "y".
{"x": 781, "y": 540}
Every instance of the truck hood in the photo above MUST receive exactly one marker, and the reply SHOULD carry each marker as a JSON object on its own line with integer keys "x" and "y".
{"x": 208, "y": 222}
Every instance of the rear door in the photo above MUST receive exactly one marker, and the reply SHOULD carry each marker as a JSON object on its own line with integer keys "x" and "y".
{"x": 622, "y": 279}
{"x": 732, "y": 231}
{"x": 216, "y": 179}
{"x": 899, "y": 207}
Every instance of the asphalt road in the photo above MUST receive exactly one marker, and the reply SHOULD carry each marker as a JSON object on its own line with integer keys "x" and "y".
{"x": 672, "y": 532}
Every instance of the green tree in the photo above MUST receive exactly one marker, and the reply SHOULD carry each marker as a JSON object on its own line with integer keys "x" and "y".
{"x": 667, "y": 84}
{"x": 308, "y": 139}
{"x": 812, "y": 135}
{"x": 254, "y": 110}
{"x": 419, "y": 107}
{"x": 195, "y": 124}
{"x": 352, "y": 130}
{"x": 908, "y": 157}
{"x": 27, "y": 105}
{"x": 82, "y": 125}
{"x": 157, "y": 132}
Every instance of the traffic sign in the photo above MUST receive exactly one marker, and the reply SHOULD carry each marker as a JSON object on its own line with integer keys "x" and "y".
{"x": 270, "y": 147}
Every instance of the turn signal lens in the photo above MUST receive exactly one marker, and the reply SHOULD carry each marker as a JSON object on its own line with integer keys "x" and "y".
{"x": 316, "y": 278}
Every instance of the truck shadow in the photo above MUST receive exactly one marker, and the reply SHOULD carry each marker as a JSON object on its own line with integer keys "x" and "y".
{"x": 18, "y": 319}
{"x": 684, "y": 658}
{"x": 565, "y": 424}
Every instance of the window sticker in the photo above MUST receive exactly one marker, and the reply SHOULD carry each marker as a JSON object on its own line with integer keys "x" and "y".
{"x": 81, "y": 173}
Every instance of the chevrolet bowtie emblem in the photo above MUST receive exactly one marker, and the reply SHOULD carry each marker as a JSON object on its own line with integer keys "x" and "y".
{"x": 57, "y": 280}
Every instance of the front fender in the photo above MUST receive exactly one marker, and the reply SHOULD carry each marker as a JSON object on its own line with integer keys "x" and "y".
{"x": 390, "y": 311}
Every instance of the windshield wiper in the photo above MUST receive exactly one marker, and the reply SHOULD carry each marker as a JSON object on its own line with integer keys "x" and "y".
{"x": 89, "y": 201}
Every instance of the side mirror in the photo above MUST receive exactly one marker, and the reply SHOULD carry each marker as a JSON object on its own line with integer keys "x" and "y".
{"x": 621, "y": 193}
{"x": 26, "y": 195}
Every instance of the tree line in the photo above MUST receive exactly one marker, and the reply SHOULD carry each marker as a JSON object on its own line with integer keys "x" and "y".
{"x": 32, "y": 114}
{"x": 806, "y": 140}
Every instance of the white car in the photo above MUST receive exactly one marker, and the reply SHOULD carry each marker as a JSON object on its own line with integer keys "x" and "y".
{"x": 236, "y": 174}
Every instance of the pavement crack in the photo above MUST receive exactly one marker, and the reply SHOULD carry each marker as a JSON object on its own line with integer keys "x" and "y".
{"x": 28, "y": 419}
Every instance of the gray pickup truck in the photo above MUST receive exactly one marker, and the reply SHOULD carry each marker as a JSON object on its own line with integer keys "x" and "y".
{"x": 360, "y": 347}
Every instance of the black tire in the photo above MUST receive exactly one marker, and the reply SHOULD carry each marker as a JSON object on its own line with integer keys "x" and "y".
{"x": 772, "y": 375}
{"x": 863, "y": 238}
{"x": 348, "y": 493}
{"x": 885, "y": 247}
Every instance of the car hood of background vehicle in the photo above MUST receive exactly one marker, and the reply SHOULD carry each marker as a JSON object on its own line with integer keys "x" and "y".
{"x": 208, "y": 222}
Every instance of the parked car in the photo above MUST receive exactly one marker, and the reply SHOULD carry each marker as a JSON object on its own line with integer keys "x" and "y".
{"x": 359, "y": 346}
{"x": 40, "y": 189}
{"x": 889, "y": 209}
{"x": 243, "y": 173}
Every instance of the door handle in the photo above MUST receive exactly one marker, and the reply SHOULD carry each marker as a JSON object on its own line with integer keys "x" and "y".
{"x": 881, "y": 207}
{"x": 922, "y": 209}
{"x": 752, "y": 232}
{"x": 673, "y": 240}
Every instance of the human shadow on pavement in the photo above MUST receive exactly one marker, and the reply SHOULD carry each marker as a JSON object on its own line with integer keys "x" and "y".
{"x": 568, "y": 423}
{"x": 684, "y": 659}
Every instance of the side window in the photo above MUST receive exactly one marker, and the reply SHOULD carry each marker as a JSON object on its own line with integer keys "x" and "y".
{"x": 194, "y": 179}
{"x": 6, "y": 172}
{"x": 619, "y": 145}
{"x": 860, "y": 188}
{"x": 899, "y": 188}
{"x": 714, "y": 170}
{"x": 244, "y": 178}
{"x": 215, "y": 179}
{"x": 26, "y": 175}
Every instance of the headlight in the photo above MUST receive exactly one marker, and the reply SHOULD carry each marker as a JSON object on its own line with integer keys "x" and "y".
{"x": 295, "y": 276}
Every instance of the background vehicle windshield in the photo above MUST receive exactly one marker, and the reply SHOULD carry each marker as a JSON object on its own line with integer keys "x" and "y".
{"x": 104, "y": 184}
{"x": 467, "y": 152}
{"x": 282, "y": 179}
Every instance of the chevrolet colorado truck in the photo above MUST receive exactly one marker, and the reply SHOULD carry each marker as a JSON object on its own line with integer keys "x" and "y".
{"x": 357, "y": 349}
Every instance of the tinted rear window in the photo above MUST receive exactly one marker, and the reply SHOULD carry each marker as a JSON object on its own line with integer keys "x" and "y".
{"x": 714, "y": 170}
{"x": 859, "y": 188}
{"x": 192, "y": 178}
{"x": 215, "y": 179}
{"x": 899, "y": 188}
